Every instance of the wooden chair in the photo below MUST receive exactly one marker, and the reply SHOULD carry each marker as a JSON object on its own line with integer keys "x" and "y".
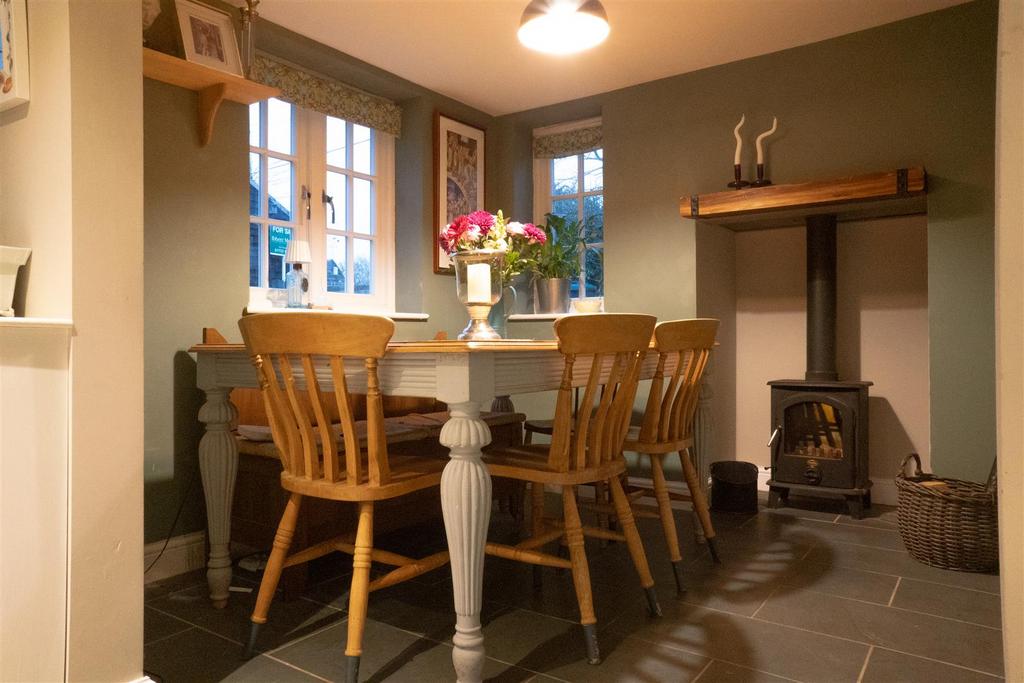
{"x": 585, "y": 449}
{"x": 355, "y": 469}
{"x": 683, "y": 347}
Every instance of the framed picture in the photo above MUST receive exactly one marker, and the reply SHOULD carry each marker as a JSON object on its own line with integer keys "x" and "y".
{"x": 458, "y": 178}
{"x": 13, "y": 54}
{"x": 208, "y": 36}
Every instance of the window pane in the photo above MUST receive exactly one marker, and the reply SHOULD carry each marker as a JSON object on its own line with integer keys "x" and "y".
{"x": 574, "y": 288}
{"x": 593, "y": 170}
{"x": 362, "y": 264}
{"x": 280, "y": 187}
{"x": 280, "y": 126}
{"x": 276, "y": 247}
{"x": 362, "y": 206}
{"x": 336, "y": 263}
{"x": 566, "y": 208}
{"x": 255, "y": 199}
{"x": 336, "y": 142}
{"x": 254, "y": 254}
{"x": 362, "y": 149}
{"x": 564, "y": 175}
{"x": 593, "y": 214}
{"x": 337, "y": 190}
{"x": 254, "y": 124}
{"x": 594, "y": 271}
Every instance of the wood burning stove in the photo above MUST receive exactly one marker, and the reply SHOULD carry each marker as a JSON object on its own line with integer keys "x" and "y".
{"x": 819, "y": 426}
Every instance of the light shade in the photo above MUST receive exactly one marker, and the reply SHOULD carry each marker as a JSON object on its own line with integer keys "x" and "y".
{"x": 297, "y": 252}
{"x": 562, "y": 27}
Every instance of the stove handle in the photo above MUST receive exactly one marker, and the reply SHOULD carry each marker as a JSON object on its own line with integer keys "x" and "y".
{"x": 774, "y": 437}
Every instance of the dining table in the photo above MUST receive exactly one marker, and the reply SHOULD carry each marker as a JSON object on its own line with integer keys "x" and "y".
{"x": 467, "y": 376}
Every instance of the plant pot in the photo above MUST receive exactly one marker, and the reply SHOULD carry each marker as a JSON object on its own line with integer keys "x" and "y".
{"x": 551, "y": 295}
{"x": 11, "y": 259}
{"x": 506, "y": 306}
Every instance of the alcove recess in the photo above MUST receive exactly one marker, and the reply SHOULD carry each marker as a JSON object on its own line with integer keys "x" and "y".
{"x": 212, "y": 85}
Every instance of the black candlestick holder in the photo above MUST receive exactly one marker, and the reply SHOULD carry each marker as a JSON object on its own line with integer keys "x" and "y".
{"x": 738, "y": 174}
{"x": 761, "y": 180}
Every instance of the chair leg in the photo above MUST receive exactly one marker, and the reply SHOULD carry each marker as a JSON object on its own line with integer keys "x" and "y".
{"x": 700, "y": 503}
{"x": 580, "y": 573}
{"x": 272, "y": 573}
{"x": 635, "y": 545}
{"x": 537, "y": 522}
{"x": 359, "y": 592}
{"x": 668, "y": 521}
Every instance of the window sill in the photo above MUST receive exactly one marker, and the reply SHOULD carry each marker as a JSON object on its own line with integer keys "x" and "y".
{"x": 262, "y": 307}
{"x": 540, "y": 317}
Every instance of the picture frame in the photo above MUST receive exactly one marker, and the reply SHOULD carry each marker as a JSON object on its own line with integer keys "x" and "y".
{"x": 14, "y": 76}
{"x": 459, "y": 164}
{"x": 208, "y": 37}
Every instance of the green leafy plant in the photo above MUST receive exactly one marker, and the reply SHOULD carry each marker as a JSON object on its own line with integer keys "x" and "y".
{"x": 559, "y": 255}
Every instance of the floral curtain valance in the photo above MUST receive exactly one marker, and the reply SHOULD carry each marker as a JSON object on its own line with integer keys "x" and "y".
{"x": 327, "y": 96}
{"x": 565, "y": 143}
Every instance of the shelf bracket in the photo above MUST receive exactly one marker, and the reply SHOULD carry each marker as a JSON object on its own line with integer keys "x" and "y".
{"x": 209, "y": 103}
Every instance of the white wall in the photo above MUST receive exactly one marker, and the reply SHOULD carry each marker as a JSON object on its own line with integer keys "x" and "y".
{"x": 1010, "y": 329}
{"x": 882, "y": 330}
{"x": 33, "y": 501}
{"x": 71, "y": 172}
{"x": 105, "y": 554}
{"x": 35, "y": 166}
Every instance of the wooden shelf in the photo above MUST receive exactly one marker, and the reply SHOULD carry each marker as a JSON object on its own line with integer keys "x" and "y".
{"x": 212, "y": 85}
{"x": 874, "y": 195}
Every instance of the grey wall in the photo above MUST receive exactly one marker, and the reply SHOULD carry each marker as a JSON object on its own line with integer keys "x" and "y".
{"x": 920, "y": 91}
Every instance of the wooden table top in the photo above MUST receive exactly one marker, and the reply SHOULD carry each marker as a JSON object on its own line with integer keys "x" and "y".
{"x": 424, "y": 346}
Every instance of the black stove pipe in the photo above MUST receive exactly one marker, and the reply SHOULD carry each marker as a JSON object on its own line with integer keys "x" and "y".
{"x": 821, "y": 298}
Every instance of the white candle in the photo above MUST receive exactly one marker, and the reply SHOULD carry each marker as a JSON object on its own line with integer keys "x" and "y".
{"x": 739, "y": 140}
{"x": 478, "y": 280}
{"x": 762, "y": 136}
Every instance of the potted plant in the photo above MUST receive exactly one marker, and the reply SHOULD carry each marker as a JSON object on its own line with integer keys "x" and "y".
{"x": 556, "y": 263}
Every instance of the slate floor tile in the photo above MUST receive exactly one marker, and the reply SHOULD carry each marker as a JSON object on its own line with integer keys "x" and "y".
{"x": 288, "y": 619}
{"x": 157, "y": 625}
{"x": 886, "y": 666}
{"x": 945, "y": 601}
{"x": 388, "y": 654}
{"x": 723, "y": 672}
{"x": 842, "y": 582}
{"x": 899, "y": 563}
{"x": 950, "y": 641}
{"x": 627, "y": 660}
{"x": 752, "y": 643}
{"x": 196, "y": 656}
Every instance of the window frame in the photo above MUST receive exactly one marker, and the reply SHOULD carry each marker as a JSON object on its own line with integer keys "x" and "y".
{"x": 543, "y": 200}
{"x": 310, "y": 135}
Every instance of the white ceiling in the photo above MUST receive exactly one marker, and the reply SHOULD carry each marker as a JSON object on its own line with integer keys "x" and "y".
{"x": 467, "y": 49}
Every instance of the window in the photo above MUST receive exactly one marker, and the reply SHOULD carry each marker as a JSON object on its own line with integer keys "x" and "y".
{"x": 572, "y": 186}
{"x": 331, "y": 180}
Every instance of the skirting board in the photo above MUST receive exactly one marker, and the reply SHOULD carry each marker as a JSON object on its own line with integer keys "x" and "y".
{"x": 184, "y": 553}
{"x": 883, "y": 491}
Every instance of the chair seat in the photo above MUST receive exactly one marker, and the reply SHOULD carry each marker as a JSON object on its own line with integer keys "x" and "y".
{"x": 634, "y": 444}
{"x": 408, "y": 473}
{"x": 540, "y": 426}
{"x": 411, "y": 427}
{"x": 530, "y": 463}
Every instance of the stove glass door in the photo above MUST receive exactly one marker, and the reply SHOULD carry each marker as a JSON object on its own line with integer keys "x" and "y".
{"x": 813, "y": 429}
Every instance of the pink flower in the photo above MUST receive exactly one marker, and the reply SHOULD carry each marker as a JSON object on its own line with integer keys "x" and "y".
{"x": 515, "y": 228}
{"x": 481, "y": 218}
{"x": 452, "y": 233}
{"x": 534, "y": 235}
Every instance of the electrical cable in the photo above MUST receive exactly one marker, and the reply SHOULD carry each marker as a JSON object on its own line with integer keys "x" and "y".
{"x": 177, "y": 516}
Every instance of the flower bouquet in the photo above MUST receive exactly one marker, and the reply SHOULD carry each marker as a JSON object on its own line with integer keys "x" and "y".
{"x": 487, "y": 249}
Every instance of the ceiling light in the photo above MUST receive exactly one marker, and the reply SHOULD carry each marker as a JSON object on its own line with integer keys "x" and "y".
{"x": 562, "y": 27}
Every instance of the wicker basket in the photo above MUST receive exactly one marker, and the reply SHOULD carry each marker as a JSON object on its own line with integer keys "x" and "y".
{"x": 948, "y": 523}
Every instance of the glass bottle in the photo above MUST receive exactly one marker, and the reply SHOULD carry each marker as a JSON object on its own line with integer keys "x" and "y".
{"x": 296, "y": 284}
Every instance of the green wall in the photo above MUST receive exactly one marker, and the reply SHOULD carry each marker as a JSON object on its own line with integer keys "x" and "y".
{"x": 919, "y": 91}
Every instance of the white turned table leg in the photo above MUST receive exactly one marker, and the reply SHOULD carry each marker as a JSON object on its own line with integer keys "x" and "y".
{"x": 218, "y": 466}
{"x": 466, "y": 502}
